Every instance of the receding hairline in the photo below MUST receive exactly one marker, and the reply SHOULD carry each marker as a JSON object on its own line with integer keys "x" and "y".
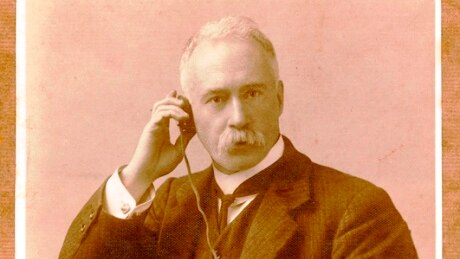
{"x": 231, "y": 27}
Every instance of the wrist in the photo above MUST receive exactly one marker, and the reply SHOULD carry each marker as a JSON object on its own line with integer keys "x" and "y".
{"x": 135, "y": 182}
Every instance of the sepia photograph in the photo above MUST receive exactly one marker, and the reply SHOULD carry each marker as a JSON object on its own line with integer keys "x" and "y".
{"x": 230, "y": 129}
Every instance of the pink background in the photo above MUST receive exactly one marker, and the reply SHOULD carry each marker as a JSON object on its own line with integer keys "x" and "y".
{"x": 359, "y": 94}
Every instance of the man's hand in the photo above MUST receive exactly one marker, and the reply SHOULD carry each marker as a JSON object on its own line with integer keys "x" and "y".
{"x": 155, "y": 155}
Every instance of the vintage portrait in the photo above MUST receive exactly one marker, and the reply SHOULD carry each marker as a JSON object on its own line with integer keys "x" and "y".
{"x": 230, "y": 129}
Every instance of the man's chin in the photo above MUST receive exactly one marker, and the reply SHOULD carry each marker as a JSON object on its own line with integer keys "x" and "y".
{"x": 241, "y": 149}
{"x": 231, "y": 168}
{"x": 234, "y": 162}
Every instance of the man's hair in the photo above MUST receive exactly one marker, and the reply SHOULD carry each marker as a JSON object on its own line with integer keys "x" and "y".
{"x": 238, "y": 27}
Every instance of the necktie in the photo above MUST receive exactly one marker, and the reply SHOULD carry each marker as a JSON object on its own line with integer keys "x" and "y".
{"x": 227, "y": 200}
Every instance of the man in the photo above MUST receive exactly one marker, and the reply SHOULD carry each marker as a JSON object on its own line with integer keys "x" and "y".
{"x": 283, "y": 205}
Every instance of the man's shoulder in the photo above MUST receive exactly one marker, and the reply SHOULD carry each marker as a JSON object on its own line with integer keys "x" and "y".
{"x": 323, "y": 178}
{"x": 333, "y": 178}
{"x": 339, "y": 190}
{"x": 328, "y": 185}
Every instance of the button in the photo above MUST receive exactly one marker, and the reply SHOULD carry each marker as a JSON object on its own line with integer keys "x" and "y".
{"x": 91, "y": 215}
{"x": 82, "y": 227}
{"x": 125, "y": 208}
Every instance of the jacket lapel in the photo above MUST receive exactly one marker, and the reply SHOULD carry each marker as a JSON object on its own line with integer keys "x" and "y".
{"x": 274, "y": 224}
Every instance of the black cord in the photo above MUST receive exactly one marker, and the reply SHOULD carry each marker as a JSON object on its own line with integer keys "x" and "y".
{"x": 197, "y": 195}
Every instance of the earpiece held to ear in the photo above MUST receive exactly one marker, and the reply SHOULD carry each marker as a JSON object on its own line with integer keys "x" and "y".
{"x": 187, "y": 127}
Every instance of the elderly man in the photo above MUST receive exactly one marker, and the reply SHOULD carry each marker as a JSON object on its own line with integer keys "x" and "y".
{"x": 260, "y": 198}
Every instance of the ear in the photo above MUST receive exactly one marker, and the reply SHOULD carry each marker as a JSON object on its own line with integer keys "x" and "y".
{"x": 280, "y": 95}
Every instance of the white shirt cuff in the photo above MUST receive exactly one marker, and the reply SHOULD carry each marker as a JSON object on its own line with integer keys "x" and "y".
{"x": 119, "y": 203}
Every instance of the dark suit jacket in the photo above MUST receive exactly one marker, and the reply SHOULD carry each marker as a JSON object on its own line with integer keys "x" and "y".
{"x": 309, "y": 211}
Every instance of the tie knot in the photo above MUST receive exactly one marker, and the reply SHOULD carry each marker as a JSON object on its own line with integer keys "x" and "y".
{"x": 227, "y": 200}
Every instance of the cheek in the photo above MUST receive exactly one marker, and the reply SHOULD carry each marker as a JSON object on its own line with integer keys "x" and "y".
{"x": 267, "y": 108}
{"x": 209, "y": 127}
{"x": 266, "y": 116}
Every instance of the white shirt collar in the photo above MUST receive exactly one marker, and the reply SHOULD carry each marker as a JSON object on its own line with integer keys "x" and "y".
{"x": 229, "y": 182}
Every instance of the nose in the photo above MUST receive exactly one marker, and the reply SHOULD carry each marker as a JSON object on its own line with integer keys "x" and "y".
{"x": 238, "y": 117}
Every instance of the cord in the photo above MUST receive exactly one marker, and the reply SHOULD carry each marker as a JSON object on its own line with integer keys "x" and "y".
{"x": 197, "y": 195}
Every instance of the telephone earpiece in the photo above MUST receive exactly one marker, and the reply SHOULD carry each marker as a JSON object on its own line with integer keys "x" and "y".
{"x": 188, "y": 126}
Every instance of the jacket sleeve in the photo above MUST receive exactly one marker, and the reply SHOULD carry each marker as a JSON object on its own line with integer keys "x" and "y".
{"x": 96, "y": 234}
{"x": 373, "y": 228}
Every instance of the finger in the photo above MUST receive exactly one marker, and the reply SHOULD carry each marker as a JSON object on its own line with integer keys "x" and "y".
{"x": 168, "y": 101}
{"x": 186, "y": 103}
{"x": 160, "y": 118}
{"x": 164, "y": 116}
{"x": 183, "y": 98}
{"x": 179, "y": 112}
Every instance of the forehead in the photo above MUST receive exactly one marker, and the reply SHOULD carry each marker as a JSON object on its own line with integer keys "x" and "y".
{"x": 229, "y": 63}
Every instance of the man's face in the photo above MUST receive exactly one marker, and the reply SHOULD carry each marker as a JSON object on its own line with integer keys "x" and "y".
{"x": 236, "y": 101}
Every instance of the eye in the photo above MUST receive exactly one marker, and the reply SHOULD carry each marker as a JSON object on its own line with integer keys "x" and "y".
{"x": 215, "y": 99}
{"x": 253, "y": 93}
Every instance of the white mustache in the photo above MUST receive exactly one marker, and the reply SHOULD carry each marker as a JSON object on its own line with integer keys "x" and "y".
{"x": 233, "y": 136}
